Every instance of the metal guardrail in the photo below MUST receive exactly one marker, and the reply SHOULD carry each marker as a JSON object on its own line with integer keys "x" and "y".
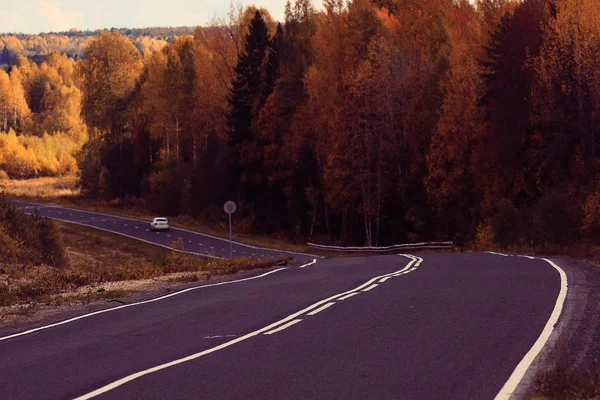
{"x": 406, "y": 246}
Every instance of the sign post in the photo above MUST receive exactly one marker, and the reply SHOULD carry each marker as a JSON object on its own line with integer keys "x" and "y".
{"x": 230, "y": 208}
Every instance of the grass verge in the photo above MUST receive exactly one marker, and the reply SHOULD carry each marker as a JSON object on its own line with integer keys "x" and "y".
{"x": 63, "y": 191}
{"x": 102, "y": 265}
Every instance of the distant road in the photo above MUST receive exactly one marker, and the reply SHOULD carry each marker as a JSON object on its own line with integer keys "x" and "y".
{"x": 431, "y": 326}
{"x": 194, "y": 242}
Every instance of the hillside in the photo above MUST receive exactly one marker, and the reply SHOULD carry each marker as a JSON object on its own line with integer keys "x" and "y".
{"x": 72, "y": 43}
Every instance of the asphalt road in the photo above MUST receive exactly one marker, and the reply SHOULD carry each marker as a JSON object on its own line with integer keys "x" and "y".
{"x": 452, "y": 326}
{"x": 194, "y": 242}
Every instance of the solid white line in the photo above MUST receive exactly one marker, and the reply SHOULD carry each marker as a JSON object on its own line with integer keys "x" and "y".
{"x": 308, "y": 264}
{"x": 318, "y": 310}
{"x": 348, "y": 296}
{"x": 370, "y": 288}
{"x": 137, "y": 238}
{"x": 291, "y": 317}
{"x": 515, "y": 378}
{"x": 385, "y": 279}
{"x": 135, "y": 304}
{"x": 282, "y": 327}
{"x": 180, "y": 229}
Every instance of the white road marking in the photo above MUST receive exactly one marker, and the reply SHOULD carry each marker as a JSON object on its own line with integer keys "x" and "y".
{"x": 370, "y": 288}
{"x": 309, "y": 264}
{"x": 211, "y": 247}
{"x": 168, "y": 235}
{"x": 136, "y": 227}
{"x": 147, "y": 230}
{"x": 531, "y": 258}
{"x": 348, "y": 296}
{"x": 123, "y": 224}
{"x": 282, "y": 327}
{"x": 60, "y": 212}
{"x": 93, "y": 218}
{"x": 515, "y": 378}
{"x": 181, "y": 229}
{"x": 292, "y": 317}
{"x": 318, "y": 310}
{"x": 498, "y": 254}
{"x": 253, "y": 254}
{"x": 218, "y": 336}
{"x": 189, "y": 241}
{"x": 103, "y": 220}
{"x": 385, "y": 279}
{"x": 135, "y": 304}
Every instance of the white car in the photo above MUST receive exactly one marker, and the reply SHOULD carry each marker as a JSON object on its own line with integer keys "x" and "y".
{"x": 160, "y": 224}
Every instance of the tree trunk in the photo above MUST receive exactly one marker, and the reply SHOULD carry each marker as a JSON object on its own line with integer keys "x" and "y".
{"x": 177, "y": 139}
{"x": 194, "y": 149}
{"x": 314, "y": 215}
{"x": 327, "y": 222}
{"x": 344, "y": 225}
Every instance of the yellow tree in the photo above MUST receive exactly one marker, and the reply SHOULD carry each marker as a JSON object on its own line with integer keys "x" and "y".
{"x": 109, "y": 71}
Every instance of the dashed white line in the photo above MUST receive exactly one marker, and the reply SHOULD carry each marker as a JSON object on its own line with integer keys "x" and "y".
{"x": 136, "y": 227}
{"x": 348, "y": 296}
{"x": 498, "y": 254}
{"x": 385, "y": 279}
{"x": 218, "y": 336}
{"x": 318, "y": 310}
{"x": 282, "y": 327}
{"x": 370, "y": 288}
{"x": 309, "y": 264}
{"x": 269, "y": 328}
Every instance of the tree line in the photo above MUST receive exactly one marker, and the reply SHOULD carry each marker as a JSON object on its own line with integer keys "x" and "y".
{"x": 370, "y": 122}
{"x": 73, "y": 43}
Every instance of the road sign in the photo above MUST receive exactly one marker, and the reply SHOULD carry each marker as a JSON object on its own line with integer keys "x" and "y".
{"x": 230, "y": 208}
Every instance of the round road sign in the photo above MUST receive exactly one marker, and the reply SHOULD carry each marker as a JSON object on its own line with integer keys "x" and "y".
{"x": 230, "y": 207}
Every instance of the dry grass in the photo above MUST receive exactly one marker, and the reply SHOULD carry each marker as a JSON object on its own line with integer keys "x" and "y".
{"x": 104, "y": 265}
{"x": 48, "y": 189}
{"x": 63, "y": 191}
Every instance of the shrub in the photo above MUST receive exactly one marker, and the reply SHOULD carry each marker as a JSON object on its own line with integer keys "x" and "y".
{"x": 591, "y": 210}
{"x": 556, "y": 218}
{"x": 484, "y": 239}
{"x": 506, "y": 223}
{"x": 29, "y": 238}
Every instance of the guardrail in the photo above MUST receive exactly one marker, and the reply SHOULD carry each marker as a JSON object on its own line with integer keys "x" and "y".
{"x": 406, "y": 246}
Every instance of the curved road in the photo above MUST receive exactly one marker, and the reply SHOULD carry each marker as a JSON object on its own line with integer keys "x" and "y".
{"x": 194, "y": 242}
{"x": 430, "y": 326}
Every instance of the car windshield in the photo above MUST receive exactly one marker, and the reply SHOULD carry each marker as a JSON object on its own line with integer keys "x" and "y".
{"x": 161, "y": 220}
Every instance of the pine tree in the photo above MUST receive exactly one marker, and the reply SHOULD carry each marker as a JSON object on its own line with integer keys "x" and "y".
{"x": 245, "y": 96}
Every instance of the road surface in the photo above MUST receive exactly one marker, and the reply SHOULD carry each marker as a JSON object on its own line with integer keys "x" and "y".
{"x": 194, "y": 242}
{"x": 429, "y": 326}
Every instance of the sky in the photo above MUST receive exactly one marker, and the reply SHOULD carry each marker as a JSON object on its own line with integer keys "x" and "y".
{"x": 35, "y": 16}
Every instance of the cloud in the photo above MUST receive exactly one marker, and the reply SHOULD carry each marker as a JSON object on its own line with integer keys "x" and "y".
{"x": 57, "y": 19}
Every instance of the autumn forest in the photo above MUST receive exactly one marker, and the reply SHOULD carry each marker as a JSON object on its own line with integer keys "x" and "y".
{"x": 368, "y": 122}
